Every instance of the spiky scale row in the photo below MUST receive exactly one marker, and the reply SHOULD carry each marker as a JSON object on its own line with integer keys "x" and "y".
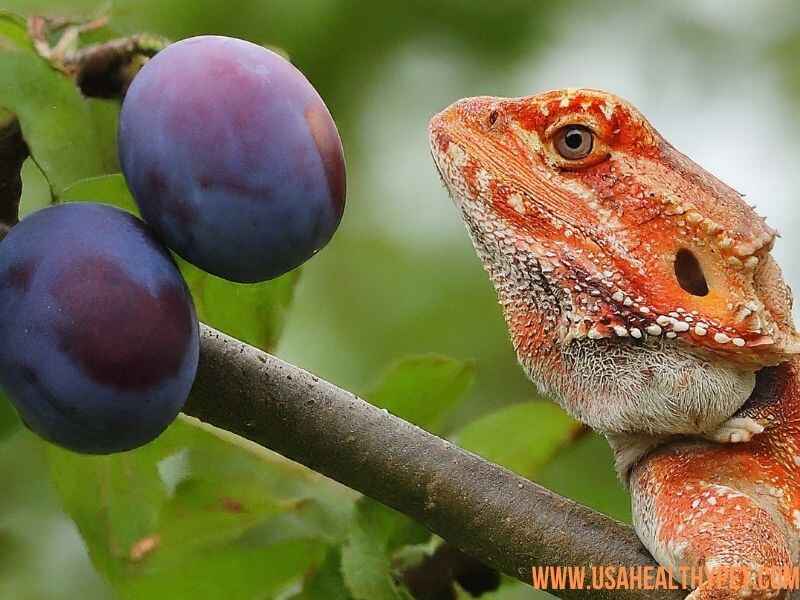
{"x": 600, "y": 320}
{"x": 480, "y": 185}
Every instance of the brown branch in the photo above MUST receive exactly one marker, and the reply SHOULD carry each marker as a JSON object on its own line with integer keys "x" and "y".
{"x": 492, "y": 514}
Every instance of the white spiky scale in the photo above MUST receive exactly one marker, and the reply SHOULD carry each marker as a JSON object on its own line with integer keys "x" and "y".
{"x": 653, "y": 330}
{"x": 680, "y": 326}
{"x": 515, "y": 201}
{"x": 620, "y": 331}
{"x": 721, "y": 338}
{"x": 735, "y": 262}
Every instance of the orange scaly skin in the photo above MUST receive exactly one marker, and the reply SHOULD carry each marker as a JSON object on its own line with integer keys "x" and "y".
{"x": 639, "y": 291}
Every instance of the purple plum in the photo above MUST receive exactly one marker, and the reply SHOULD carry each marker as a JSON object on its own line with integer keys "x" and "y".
{"x": 232, "y": 157}
{"x": 100, "y": 337}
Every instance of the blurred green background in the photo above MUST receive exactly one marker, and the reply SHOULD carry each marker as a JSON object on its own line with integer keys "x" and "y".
{"x": 717, "y": 78}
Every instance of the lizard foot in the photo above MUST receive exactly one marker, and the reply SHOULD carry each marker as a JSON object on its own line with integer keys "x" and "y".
{"x": 735, "y": 430}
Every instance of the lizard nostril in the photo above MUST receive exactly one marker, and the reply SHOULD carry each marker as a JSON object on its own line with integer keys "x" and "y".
{"x": 689, "y": 273}
{"x": 493, "y": 117}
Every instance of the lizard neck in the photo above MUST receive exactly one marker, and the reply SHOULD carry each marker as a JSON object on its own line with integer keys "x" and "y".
{"x": 774, "y": 402}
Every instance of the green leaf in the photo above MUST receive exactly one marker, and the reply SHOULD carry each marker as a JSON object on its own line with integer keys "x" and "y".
{"x": 56, "y": 120}
{"x": 584, "y": 471}
{"x": 104, "y": 116}
{"x": 236, "y": 572}
{"x": 522, "y": 437}
{"x": 114, "y": 500}
{"x": 195, "y": 504}
{"x": 35, "y": 189}
{"x": 254, "y": 313}
{"x": 423, "y": 389}
{"x": 36, "y": 541}
{"x": 326, "y": 582}
{"x": 107, "y": 189}
{"x": 366, "y": 563}
{"x": 13, "y": 30}
{"x": 9, "y": 421}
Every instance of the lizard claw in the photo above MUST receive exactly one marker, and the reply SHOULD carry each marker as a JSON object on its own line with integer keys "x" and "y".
{"x": 735, "y": 430}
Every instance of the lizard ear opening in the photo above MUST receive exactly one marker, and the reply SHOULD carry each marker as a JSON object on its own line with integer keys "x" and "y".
{"x": 689, "y": 273}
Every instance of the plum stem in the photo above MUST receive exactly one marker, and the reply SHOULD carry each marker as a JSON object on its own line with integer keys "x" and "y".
{"x": 103, "y": 70}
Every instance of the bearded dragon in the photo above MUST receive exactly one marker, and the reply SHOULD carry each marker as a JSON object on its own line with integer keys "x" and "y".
{"x": 639, "y": 292}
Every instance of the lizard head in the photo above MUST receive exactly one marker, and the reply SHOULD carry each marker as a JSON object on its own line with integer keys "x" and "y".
{"x": 606, "y": 245}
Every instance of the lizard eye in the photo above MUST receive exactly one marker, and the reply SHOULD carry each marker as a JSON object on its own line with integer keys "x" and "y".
{"x": 574, "y": 142}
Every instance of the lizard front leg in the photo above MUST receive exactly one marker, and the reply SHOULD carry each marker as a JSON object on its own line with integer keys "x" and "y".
{"x": 708, "y": 526}
{"x": 736, "y": 430}
{"x": 700, "y": 504}
{"x": 769, "y": 404}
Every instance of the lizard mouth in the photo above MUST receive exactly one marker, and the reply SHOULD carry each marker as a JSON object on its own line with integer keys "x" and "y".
{"x": 440, "y": 145}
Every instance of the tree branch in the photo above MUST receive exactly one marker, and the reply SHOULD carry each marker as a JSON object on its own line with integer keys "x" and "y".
{"x": 489, "y": 512}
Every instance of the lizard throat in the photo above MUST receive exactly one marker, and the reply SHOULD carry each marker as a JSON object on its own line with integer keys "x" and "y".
{"x": 535, "y": 306}
{"x": 602, "y": 382}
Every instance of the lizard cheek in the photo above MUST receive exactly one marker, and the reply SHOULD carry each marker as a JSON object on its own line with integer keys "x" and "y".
{"x": 689, "y": 273}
